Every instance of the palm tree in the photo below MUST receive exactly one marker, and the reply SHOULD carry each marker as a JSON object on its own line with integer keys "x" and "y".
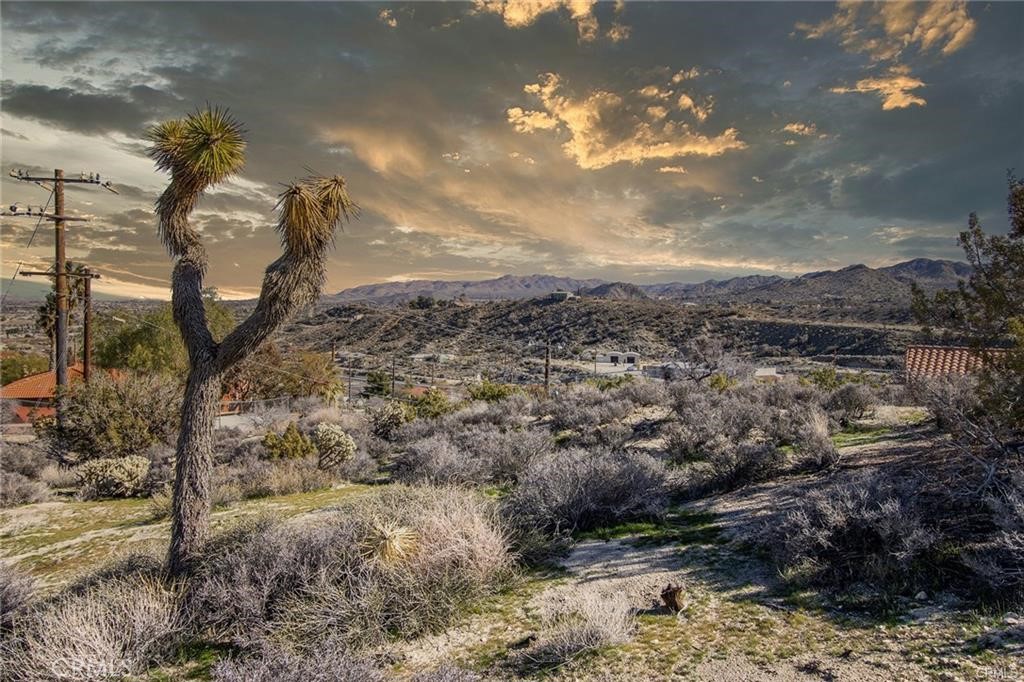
{"x": 46, "y": 314}
{"x": 201, "y": 150}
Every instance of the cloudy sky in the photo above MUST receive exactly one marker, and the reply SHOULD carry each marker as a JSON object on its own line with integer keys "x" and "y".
{"x": 638, "y": 141}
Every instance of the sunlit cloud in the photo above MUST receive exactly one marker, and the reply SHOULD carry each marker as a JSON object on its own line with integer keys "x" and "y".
{"x": 388, "y": 18}
{"x": 800, "y": 128}
{"x": 672, "y": 169}
{"x": 895, "y": 88}
{"x": 603, "y": 127}
{"x": 893, "y": 33}
{"x": 522, "y": 13}
{"x": 885, "y": 30}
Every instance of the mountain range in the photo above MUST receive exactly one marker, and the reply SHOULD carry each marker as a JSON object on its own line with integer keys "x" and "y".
{"x": 856, "y": 283}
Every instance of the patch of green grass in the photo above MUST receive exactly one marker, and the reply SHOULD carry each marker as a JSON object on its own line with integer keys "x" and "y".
{"x": 194, "y": 662}
{"x": 680, "y": 526}
{"x": 860, "y": 436}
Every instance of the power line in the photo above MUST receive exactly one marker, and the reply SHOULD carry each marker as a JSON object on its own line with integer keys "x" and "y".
{"x": 31, "y": 239}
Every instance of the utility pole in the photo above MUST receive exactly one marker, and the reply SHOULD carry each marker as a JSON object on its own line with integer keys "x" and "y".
{"x": 392, "y": 376}
{"x": 350, "y": 372}
{"x": 60, "y": 259}
{"x": 60, "y": 265}
{"x": 87, "y": 332}
{"x": 547, "y": 366}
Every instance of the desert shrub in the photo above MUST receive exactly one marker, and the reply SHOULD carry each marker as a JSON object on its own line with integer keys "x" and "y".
{"x": 577, "y": 489}
{"x": 386, "y": 419}
{"x": 161, "y": 468}
{"x": 331, "y": 663}
{"x": 814, "y": 447}
{"x": 17, "y": 489}
{"x": 114, "y": 417}
{"x": 334, "y": 445}
{"x": 687, "y": 441}
{"x": 644, "y": 393}
{"x": 112, "y": 477}
{"x": 25, "y": 459}
{"x": 610, "y": 383}
{"x": 998, "y": 561}
{"x": 436, "y": 460}
{"x": 727, "y": 466}
{"x": 115, "y": 630}
{"x": 292, "y": 444}
{"x": 743, "y": 463}
{"x": 584, "y": 621}
{"x": 826, "y": 378}
{"x": 585, "y": 407}
{"x": 505, "y": 453}
{"x": 479, "y": 454}
{"x": 850, "y": 402}
{"x": 58, "y": 477}
{"x": 867, "y": 530}
{"x": 433, "y": 404}
{"x": 251, "y": 478}
{"x": 613, "y": 436}
{"x": 161, "y": 503}
{"x": 400, "y": 564}
{"x": 492, "y": 392}
{"x": 16, "y": 592}
{"x": 362, "y": 467}
{"x": 140, "y": 562}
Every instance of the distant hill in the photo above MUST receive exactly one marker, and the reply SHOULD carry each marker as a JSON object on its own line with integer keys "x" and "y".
{"x": 503, "y": 288}
{"x": 26, "y": 291}
{"x": 856, "y": 283}
{"x": 617, "y": 291}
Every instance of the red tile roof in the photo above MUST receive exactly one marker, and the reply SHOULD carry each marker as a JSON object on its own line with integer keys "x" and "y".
{"x": 38, "y": 386}
{"x": 932, "y": 361}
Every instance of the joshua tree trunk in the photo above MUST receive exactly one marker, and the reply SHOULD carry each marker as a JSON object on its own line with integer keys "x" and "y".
{"x": 191, "y": 504}
{"x": 202, "y": 150}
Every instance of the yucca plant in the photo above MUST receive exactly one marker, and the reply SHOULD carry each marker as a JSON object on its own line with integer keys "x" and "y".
{"x": 388, "y": 541}
{"x": 201, "y": 150}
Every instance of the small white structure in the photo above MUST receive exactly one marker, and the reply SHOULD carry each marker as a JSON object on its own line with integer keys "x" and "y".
{"x": 561, "y": 295}
{"x": 767, "y": 374}
{"x": 619, "y": 359}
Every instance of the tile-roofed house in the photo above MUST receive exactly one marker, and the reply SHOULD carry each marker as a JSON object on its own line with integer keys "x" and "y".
{"x": 32, "y": 396}
{"x": 935, "y": 361}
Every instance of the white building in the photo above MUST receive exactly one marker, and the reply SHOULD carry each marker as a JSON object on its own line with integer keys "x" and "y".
{"x": 619, "y": 359}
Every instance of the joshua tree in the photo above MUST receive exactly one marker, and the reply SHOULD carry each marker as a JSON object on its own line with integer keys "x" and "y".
{"x": 199, "y": 151}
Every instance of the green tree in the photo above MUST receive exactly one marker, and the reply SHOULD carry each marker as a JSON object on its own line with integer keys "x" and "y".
{"x": 14, "y": 366}
{"x": 151, "y": 342}
{"x": 292, "y": 444}
{"x": 112, "y": 417}
{"x": 378, "y": 382}
{"x": 432, "y": 404}
{"x": 200, "y": 151}
{"x": 987, "y": 311}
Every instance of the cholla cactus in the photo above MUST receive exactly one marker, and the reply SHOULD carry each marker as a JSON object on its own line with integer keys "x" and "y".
{"x": 113, "y": 476}
{"x": 335, "y": 446}
{"x": 387, "y": 418}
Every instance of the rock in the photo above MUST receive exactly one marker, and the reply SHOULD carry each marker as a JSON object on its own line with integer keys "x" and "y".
{"x": 921, "y": 596}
